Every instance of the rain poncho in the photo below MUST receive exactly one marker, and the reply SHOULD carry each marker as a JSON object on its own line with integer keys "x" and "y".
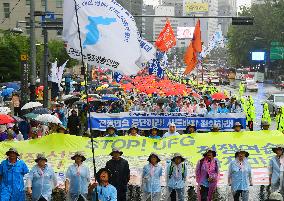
{"x": 250, "y": 109}
{"x": 79, "y": 178}
{"x": 207, "y": 169}
{"x": 42, "y": 182}
{"x": 274, "y": 171}
{"x": 241, "y": 89}
{"x": 12, "y": 182}
{"x": 240, "y": 175}
{"x": 280, "y": 120}
{"x": 266, "y": 114}
{"x": 151, "y": 184}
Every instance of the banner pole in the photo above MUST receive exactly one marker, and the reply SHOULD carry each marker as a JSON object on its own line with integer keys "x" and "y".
{"x": 87, "y": 96}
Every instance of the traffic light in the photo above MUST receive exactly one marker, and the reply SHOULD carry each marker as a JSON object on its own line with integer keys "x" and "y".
{"x": 242, "y": 20}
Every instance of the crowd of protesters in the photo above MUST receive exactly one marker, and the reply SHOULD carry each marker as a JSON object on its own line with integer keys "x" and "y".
{"x": 112, "y": 180}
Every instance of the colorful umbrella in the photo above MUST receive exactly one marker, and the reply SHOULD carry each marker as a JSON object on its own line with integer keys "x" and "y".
{"x": 7, "y": 92}
{"x": 6, "y": 119}
{"x": 219, "y": 96}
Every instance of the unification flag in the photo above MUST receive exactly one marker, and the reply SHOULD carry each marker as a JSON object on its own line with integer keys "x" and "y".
{"x": 166, "y": 39}
{"x": 117, "y": 77}
{"x": 109, "y": 35}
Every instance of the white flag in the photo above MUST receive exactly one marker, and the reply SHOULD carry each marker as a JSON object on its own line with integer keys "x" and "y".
{"x": 60, "y": 72}
{"x": 53, "y": 75}
{"x": 109, "y": 35}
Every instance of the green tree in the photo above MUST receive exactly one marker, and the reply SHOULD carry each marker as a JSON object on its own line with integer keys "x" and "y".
{"x": 58, "y": 51}
{"x": 11, "y": 47}
{"x": 268, "y": 26}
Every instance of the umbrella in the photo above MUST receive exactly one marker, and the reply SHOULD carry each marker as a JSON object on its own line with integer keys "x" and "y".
{"x": 7, "y": 92}
{"x": 18, "y": 119}
{"x": 219, "y": 96}
{"x": 31, "y": 115}
{"x": 41, "y": 111}
{"x": 31, "y": 105}
{"x": 110, "y": 98}
{"x": 13, "y": 85}
{"x": 162, "y": 100}
{"x": 48, "y": 118}
{"x": 67, "y": 96}
{"x": 6, "y": 119}
{"x": 5, "y": 110}
{"x": 71, "y": 100}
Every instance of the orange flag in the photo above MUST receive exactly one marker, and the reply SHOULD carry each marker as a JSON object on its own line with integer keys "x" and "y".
{"x": 166, "y": 39}
{"x": 190, "y": 59}
{"x": 197, "y": 45}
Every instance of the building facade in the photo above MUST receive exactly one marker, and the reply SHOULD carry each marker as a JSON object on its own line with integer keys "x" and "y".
{"x": 226, "y": 8}
{"x": 19, "y": 17}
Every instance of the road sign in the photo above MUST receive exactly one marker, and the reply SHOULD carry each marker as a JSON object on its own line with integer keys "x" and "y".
{"x": 49, "y": 16}
{"x": 277, "y": 53}
{"x": 24, "y": 57}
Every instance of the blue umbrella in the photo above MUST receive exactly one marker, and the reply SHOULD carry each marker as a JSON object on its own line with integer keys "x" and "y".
{"x": 7, "y": 92}
{"x": 110, "y": 98}
{"x": 13, "y": 85}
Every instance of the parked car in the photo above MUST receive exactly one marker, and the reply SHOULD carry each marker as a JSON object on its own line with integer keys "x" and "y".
{"x": 274, "y": 102}
{"x": 251, "y": 85}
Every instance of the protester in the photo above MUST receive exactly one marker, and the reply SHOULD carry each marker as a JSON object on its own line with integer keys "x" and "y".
{"x": 190, "y": 129}
{"x": 237, "y": 127}
{"x": 172, "y": 131}
{"x": 207, "y": 173}
{"x": 41, "y": 180}
{"x": 120, "y": 173}
{"x": 77, "y": 179}
{"x": 12, "y": 172}
{"x": 151, "y": 176}
{"x": 240, "y": 176}
{"x": 201, "y": 110}
{"x": 176, "y": 177}
{"x": 74, "y": 124}
{"x": 222, "y": 108}
{"x": 154, "y": 133}
{"x": 111, "y": 131}
{"x": 275, "y": 166}
{"x": 133, "y": 131}
{"x": 16, "y": 104}
{"x": 215, "y": 128}
{"x": 103, "y": 191}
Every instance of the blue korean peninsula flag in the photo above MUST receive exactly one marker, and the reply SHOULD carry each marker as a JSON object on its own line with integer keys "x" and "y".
{"x": 109, "y": 34}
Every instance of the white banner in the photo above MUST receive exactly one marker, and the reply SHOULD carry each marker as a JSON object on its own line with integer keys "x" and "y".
{"x": 109, "y": 35}
{"x": 53, "y": 70}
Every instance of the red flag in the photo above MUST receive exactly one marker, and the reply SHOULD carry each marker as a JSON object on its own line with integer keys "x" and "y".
{"x": 166, "y": 39}
{"x": 197, "y": 45}
{"x": 190, "y": 59}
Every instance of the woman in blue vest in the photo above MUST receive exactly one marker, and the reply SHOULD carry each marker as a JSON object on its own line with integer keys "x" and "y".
{"x": 12, "y": 172}
{"x": 274, "y": 168}
{"x": 151, "y": 177}
{"x": 176, "y": 177}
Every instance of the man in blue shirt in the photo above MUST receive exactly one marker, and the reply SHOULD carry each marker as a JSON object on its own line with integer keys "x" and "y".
{"x": 41, "y": 180}
{"x": 12, "y": 171}
{"x": 104, "y": 190}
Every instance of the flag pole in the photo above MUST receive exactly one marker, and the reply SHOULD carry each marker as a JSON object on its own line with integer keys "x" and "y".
{"x": 87, "y": 96}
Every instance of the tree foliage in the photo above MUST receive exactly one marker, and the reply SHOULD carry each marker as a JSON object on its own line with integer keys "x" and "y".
{"x": 268, "y": 27}
{"x": 13, "y": 45}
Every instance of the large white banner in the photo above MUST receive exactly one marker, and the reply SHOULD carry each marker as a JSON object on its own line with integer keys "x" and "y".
{"x": 109, "y": 34}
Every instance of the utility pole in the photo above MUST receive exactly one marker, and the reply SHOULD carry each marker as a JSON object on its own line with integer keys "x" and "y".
{"x": 45, "y": 60}
{"x": 32, "y": 51}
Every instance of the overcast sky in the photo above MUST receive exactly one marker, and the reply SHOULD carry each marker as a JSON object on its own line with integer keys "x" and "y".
{"x": 240, "y": 2}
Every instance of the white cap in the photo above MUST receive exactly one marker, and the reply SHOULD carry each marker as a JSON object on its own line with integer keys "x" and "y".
{"x": 172, "y": 124}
